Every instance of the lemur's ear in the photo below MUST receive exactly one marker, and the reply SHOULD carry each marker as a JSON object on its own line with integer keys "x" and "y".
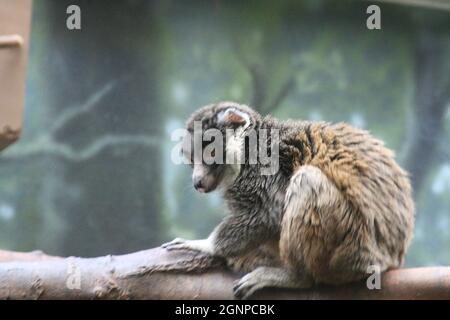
{"x": 233, "y": 117}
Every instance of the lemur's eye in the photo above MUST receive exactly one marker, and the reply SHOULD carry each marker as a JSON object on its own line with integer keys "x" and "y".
{"x": 213, "y": 153}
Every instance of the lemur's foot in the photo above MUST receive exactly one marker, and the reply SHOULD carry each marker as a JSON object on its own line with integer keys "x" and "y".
{"x": 203, "y": 245}
{"x": 263, "y": 277}
{"x": 245, "y": 287}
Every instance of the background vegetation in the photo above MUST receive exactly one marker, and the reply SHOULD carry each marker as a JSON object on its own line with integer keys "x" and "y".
{"x": 92, "y": 173}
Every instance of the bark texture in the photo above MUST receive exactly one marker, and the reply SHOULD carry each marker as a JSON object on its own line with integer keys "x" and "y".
{"x": 136, "y": 276}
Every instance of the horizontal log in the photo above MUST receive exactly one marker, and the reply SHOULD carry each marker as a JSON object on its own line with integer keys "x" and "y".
{"x": 136, "y": 276}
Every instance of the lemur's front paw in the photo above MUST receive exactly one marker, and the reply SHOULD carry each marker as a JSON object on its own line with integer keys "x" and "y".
{"x": 193, "y": 245}
{"x": 247, "y": 286}
{"x": 175, "y": 244}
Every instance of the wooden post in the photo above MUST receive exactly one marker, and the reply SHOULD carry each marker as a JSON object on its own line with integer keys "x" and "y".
{"x": 15, "y": 18}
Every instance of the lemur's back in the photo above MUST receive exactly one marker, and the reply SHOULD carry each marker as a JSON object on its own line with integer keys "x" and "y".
{"x": 376, "y": 190}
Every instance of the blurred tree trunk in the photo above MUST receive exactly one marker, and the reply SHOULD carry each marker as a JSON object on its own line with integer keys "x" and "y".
{"x": 110, "y": 201}
{"x": 430, "y": 101}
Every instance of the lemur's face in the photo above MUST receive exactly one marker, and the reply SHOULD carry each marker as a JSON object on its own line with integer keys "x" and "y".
{"x": 215, "y": 144}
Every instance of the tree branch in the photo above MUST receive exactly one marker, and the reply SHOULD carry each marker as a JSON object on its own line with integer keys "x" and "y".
{"x": 260, "y": 81}
{"x": 71, "y": 113}
{"x": 282, "y": 93}
{"x": 136, "y": 276}
{"x": 46, "y": 145}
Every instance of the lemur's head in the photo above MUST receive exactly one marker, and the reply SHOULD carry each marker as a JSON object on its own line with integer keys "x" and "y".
{"x": 215, "y": 143}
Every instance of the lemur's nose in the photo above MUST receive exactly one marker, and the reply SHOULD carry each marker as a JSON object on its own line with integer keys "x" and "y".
{"x": 198, "y": 185}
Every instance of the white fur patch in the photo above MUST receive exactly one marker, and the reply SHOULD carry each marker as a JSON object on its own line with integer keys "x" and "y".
{"x": 234, "y": 150}
{"x": 234, "y": 146}
{"x": 203, "y": 245}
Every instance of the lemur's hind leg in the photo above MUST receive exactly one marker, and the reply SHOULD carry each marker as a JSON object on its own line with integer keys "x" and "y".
{"x": 266, "y": 255}
{"x": 310, "y": 202}
{"x": 321, "y": 232}
{"x": 264, "y": 277}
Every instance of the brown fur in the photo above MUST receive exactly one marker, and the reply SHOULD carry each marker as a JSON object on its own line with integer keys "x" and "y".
{"x": 366, "y": 211}
{"x": 359, "y": 212}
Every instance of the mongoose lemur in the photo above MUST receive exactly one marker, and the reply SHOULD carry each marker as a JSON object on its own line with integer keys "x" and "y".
{"x": 338, "y": 203}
